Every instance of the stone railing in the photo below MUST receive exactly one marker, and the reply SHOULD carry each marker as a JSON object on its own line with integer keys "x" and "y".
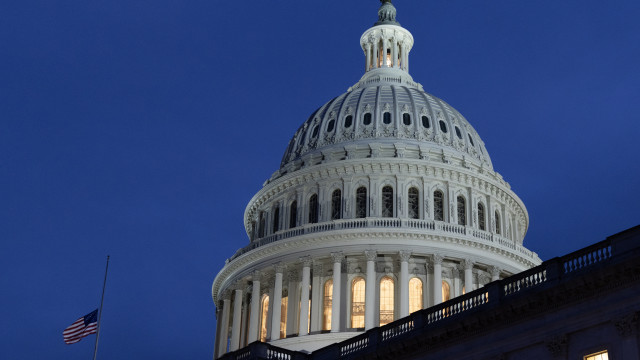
{"x": 493, "y": 295}
{"x": 426, "y": 226}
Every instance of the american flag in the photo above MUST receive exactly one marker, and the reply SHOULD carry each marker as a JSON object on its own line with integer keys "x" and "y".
{"x": 82, "y": 327}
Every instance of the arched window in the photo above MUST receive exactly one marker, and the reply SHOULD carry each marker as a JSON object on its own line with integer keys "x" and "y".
{"x": 283, "y": 317}
{"x": 446, "y": 292}
{"x": 481, "y": 218}
{"x": 387, "y": 201}
{"x": 261, "y": 226}
{"x": 366, "y": 120}
{"x": 336, "y": 204}
{"x": 498, "y": 228}
{"x": 331, "y": 125}
{"x": 438, "y": 205}
{"x": 348, "y": 121}
{"x": 313, "y": 209}
{"x": 361, "y": 202}
{"x": 443, "y": 127}
{"x": 276, "y": 218}
{"x": 386, "y": 118}
{"x": 386, "y": 300}
{"x": 328, "y": 297}
{"x": 263, "y": 317}
{"x": 357, "y": 303}
{"x": 425, "y": 122}
{"x": 458, "y": 133}
{"x": 406, "y": 119}
{"x": 293, "y": 214}
{"x": 414, "y": 203}
{"x": 462, "y": 211}
{"x": 415, "y": 294}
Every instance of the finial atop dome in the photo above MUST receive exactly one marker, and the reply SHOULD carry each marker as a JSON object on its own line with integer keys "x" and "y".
{"x": 387, "y": 14}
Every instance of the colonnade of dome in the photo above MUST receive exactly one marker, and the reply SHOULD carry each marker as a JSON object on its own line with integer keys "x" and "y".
{"x": 372, "y": 215}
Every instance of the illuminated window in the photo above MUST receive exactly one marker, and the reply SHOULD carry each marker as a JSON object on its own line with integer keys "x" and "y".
{"x": 462, "y": 211}
{"x": 602, "y": 355}
{"x": 414, "y": 205}
{"x": 446, "y": 293}
{"x": 498, "y": 223}
{"x": 328, "y": 296}
{"x": 336, "y": 204}
{"x": 313, "y": 209}
{"x": 361, "y": 202}
{"x": 293, "y": 214}
{"x": 283, "y": 317}
{"x": 276, "y": 218}
{"x": 386, "y": 300}
{"x": 263, "y": 318}
{"x": 387, "y": 201}
{"x": 415, "y": 294}
{"x": 357, "y": 303}
{"x": 438, "y": 205}
{"x": 481, "y": 220}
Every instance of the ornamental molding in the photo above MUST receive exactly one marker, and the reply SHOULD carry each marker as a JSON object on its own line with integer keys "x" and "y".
{"x": 242, "y": 265}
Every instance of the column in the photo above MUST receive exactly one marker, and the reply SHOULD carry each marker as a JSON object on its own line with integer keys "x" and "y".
{"x": 495, "y": 273}
{"x": 255, "y": 308}
{"x": 404, "y": 282}
{"x": 468, "y": 275}
{"x": 394, "y": 53}
{"x": 292, "y": 307}
{"x": 304, "y": 297}
{"x": 375, "y": 54}
{"x": 384, "y": 52}
{"x": 316, "y": 300}
{"x": 437, "y": 279}
{"x": 370, "y": 290}
{"x": 237, "y": 317}
{"x": 277, "y": 303}
{"x": 223, "y": 331}
{"x": 336, "y": 299}
{"x": 367, "y": 50}
{"x": 216, "y": 343}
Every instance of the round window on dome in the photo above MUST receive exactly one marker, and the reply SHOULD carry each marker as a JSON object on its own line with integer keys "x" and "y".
{"x": 331, "y": 125}
{"x": 367, "y": 119}
{"x": 425, "y": 122}
{"x": 406, "y": 119}
{"x": 386, "y": 118}
{"x": 443, "y": 126}
{"x": 315, "y": 131}
{"x": 471, "y": 140}
{"x": 348, "y": 121}
{"x": 458, "y": 133}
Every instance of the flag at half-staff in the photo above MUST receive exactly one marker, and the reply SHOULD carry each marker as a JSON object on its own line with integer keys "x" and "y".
{"x": 82, "y": 327}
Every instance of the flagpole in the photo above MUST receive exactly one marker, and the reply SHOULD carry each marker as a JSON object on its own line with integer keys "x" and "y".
{"x": 95, "y": 350}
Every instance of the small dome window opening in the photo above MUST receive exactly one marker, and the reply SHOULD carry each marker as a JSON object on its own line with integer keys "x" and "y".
{"x": 406, "y": 119}
{"x": 386, "y": 118}
{"x": 443, "y": 127}
{"x": 367, "y": 119}
{"x": 425, "y": 122}
{"x": 348, "y": 121}
{"x": 331, "y": 125}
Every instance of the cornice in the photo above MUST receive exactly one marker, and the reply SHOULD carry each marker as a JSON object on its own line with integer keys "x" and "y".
{"x": 337, "y": 239}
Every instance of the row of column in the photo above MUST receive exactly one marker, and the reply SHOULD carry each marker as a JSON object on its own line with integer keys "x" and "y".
{"x": 336, "y": 316}
{"x": 376, "y": 53}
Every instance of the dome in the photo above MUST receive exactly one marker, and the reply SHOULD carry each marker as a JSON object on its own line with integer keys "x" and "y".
{"x": 385, "y": 202}
{"x": 402, "y": 117}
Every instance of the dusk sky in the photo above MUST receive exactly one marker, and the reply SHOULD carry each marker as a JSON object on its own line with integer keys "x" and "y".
{"x": 141, "y": 129}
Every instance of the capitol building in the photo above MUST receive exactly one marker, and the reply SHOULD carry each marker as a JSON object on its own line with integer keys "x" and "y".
{"x": 386, "y": 202}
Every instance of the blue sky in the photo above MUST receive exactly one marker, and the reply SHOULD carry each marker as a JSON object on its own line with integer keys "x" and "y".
{"x": 141, "y": 129}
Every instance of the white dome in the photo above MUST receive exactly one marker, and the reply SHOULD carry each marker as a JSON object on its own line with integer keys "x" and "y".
{"x": 419, "y": 123}
{"x": 383, "y": 184}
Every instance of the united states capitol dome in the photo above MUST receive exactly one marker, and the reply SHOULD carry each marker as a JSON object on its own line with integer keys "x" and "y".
{"x": 385, "y": 202}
